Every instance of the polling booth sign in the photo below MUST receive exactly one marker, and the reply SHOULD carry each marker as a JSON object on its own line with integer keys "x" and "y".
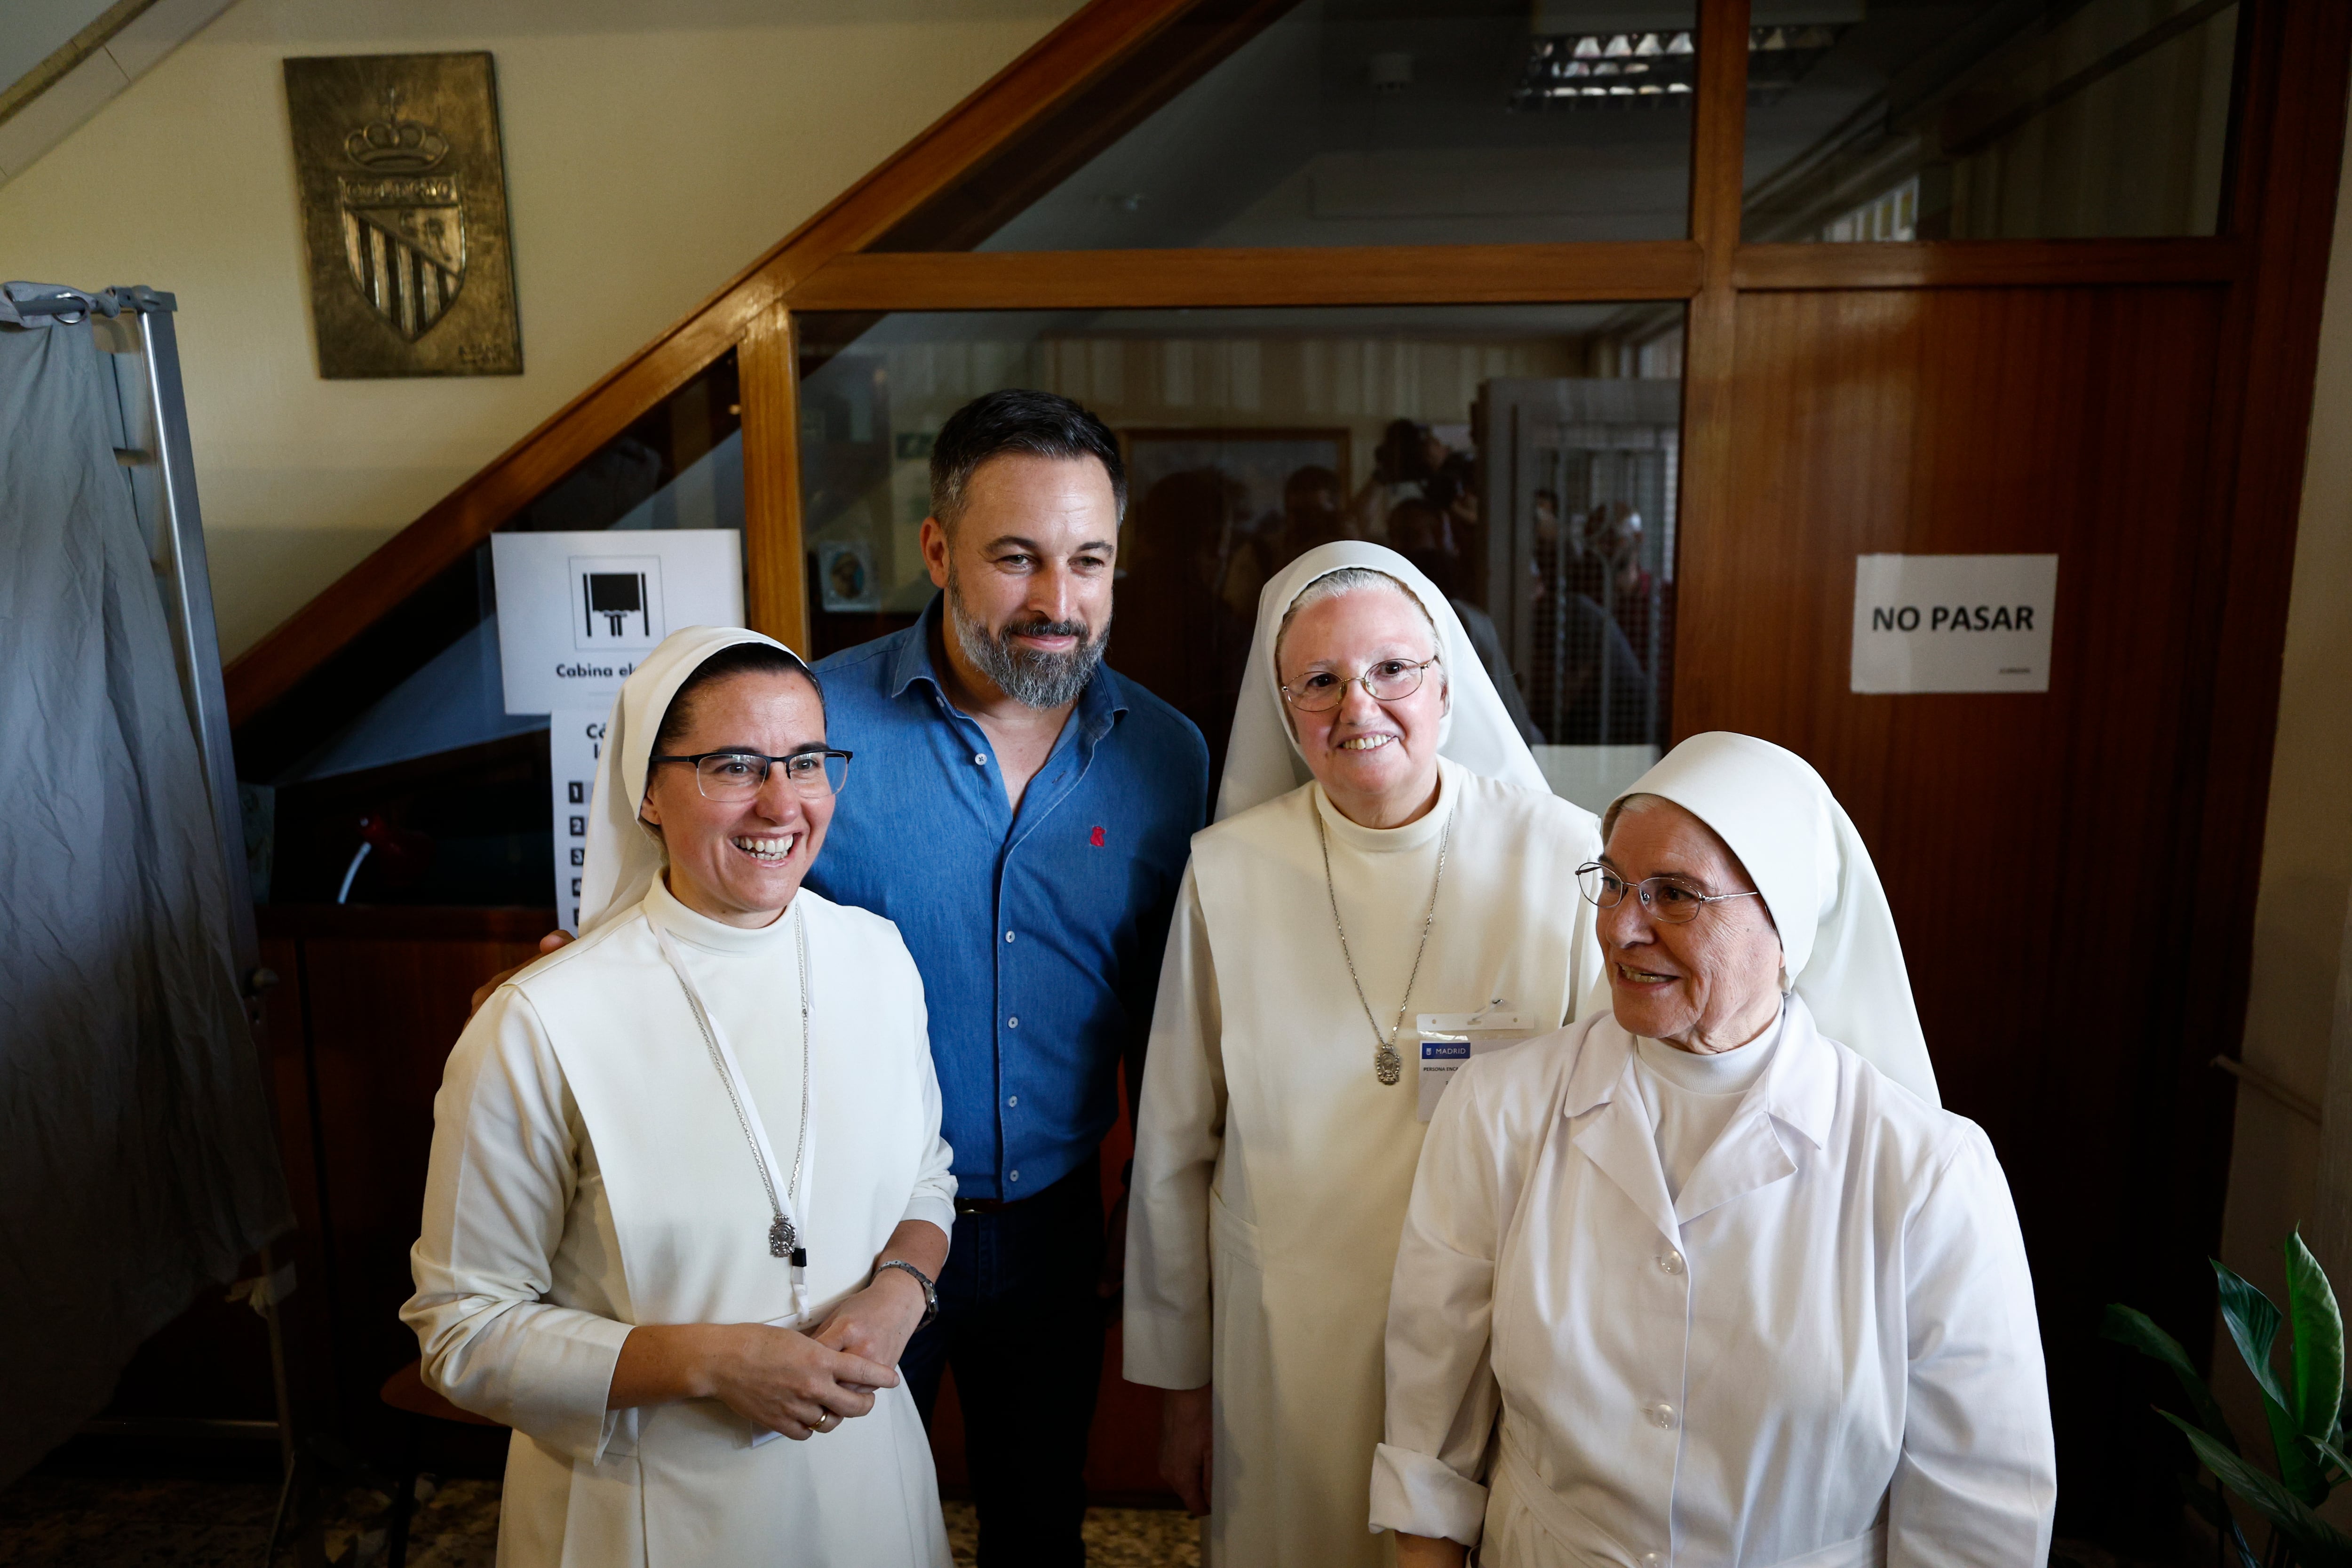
{"x": 1953, "y": 622}
{"x": 576, "y": 611}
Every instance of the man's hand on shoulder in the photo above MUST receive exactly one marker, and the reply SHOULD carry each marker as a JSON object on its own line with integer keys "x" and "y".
{"x": 547, "y": 945}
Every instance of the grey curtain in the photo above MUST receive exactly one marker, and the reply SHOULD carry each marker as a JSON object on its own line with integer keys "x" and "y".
{"x": 137, "y": 1163}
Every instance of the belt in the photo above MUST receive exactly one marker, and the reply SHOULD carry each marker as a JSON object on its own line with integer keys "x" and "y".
{"x": 1088, "y": 1172}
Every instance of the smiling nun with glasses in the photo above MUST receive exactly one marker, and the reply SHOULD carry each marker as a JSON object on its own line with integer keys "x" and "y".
{"x": 1385, "y": 849}
{"x": 1708, "y": 1278}
{"x": 687, "y": 1190}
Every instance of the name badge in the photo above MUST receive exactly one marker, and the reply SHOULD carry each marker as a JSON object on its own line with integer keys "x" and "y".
{"x": 1448, "y": 1041}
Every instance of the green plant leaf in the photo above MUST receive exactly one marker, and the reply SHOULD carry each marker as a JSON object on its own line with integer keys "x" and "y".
{"x": 2298, "y": 1458}
{"x": 2318, "y": 1349}
{"x": 2254, "y": 1324}
{"x": 2129, "y": 1326}
{"x": 2318, "y": 1544}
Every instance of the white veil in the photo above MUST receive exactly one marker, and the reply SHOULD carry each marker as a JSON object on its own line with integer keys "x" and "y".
{"x": 1263, "y": 760}
{"x": 623, "y": 856}
{"x": 1837, "y": 933}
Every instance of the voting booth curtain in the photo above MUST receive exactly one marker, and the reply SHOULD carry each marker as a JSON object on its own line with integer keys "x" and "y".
{"x": 137, "y": 1163}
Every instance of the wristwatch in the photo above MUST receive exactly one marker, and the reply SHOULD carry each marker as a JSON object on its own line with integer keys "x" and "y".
{"x": 930, "y": 1288}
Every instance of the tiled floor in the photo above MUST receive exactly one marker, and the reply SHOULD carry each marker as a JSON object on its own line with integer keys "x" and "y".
{"x": 50, "y": 1521}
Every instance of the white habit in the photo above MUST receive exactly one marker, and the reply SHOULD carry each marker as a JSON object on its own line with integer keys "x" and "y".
{"x": 1273, "y": 1167}
{"x": 589, "y": 1173}
{"x": 1818, "y": 1347}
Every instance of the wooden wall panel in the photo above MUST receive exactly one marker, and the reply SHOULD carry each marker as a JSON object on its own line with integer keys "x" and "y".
{"x": 385, "y": 994}
{"x": 2036, "y": 848}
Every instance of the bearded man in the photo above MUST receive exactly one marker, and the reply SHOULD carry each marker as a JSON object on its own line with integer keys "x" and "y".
{"x": 1024, "y": 815}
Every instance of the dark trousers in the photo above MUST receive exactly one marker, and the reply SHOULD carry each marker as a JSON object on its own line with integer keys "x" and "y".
{"x": 1022, "y": 1325}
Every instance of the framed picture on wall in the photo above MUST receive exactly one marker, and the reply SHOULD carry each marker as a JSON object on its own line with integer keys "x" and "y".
{"x": 844, "y": 576}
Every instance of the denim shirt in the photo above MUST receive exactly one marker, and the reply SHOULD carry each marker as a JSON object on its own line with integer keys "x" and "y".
{"x": 1039, "y": 934}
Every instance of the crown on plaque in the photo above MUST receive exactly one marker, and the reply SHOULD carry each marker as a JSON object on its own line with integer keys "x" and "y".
{"x": 394, "y": 144}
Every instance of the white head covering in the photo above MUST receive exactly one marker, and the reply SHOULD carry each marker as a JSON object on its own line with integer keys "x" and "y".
{"x": 623, "y": 856}
{"x": 1837, "y": 934}
{"x": 1264, "y": 760}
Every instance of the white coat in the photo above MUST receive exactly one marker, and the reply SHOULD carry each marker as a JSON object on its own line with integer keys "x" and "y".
{"x": 1824, "y": 1352}
{"x": 589, "y": 1174}
{"x": 1271, "y": 1167}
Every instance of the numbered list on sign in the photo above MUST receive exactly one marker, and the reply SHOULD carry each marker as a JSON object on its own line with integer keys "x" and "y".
{"x": 575, "y": 741}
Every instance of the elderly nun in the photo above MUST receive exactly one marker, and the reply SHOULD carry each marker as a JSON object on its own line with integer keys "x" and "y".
{"x": 688, "y": 1189}
{"x": 1709, "y": 1277}
{"x": 1385, "y": 850}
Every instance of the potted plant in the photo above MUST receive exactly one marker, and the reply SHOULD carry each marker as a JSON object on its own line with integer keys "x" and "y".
{"x": 2305, "y": 1409}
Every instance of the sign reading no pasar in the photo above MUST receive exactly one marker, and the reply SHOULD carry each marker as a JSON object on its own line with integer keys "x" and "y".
{"x": 1953, "y": 622}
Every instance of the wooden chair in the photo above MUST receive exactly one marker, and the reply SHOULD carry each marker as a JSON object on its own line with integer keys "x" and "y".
{"x": 405, "y": 1392}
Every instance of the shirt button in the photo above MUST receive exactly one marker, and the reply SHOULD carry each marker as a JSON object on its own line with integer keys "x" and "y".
{"x": 1011, "y": 1023}
{"x": 1015, "y": 1176}
{"x": 1661, "y": 1416}
{"x": 1672, "y": 1262}
{"x": 980, "y": 759}
{"x": 1008, "y": 936}
{"x": 1014, "y": 1101}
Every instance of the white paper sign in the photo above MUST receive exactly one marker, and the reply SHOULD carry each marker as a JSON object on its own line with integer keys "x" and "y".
{"x": 576, "y": 611}
{"x": 1953, "y": 622}
{"x": 574, "y": 741}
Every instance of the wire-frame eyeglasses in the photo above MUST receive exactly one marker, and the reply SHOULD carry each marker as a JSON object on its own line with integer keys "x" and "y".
{"x": 1675, "y": 902}
{"x": 739, "y": 776}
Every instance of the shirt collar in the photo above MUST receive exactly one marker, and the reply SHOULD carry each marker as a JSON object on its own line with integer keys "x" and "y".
{"x": 1100, "y": 705}
{"x": 1799, "y": 1087}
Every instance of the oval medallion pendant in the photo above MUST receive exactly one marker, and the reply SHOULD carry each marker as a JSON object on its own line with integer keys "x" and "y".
{"x": 1387, "y": 1065}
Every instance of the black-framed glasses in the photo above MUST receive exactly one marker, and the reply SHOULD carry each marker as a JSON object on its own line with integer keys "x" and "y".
{"x": 1673, "y": 901}
{"x": 739, "y": 776}
{"x": 1384, "y": 680}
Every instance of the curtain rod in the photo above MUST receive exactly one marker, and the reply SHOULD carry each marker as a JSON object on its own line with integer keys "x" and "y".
{"x": 18, "y": 300}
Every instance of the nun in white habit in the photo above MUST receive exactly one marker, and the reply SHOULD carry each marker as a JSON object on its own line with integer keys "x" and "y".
{"x": 1708, "y": 1278}
{"x": 688, "y": 1189}
{"x": 1385, "y": 847}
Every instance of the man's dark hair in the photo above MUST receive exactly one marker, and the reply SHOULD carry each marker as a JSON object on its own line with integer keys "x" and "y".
{"x": 1038, "y": 423}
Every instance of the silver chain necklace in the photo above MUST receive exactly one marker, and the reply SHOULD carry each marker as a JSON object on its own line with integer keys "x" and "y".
{"x": 1387, "y": 1065}
{"x": 783, "y": 1240}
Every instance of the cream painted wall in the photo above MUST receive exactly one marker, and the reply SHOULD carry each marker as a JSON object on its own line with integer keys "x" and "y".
{"x": 653, "y": 148}
{"x": 2307, "y": 871}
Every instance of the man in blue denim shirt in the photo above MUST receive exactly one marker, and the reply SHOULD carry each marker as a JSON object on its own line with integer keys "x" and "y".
{"x": 1024, "y": 816}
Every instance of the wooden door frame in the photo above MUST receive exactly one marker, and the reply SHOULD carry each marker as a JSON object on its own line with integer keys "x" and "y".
{"x": 830, "y": 263}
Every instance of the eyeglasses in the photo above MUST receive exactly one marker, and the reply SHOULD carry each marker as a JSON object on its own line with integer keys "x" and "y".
{"x": 739, "y": 776}
{"x": 1387, "y": 680}
{"x": 1673, "y": 903}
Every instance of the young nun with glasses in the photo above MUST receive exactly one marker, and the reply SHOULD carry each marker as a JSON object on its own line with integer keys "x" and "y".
{"x": 1709, "y": 1277}
{"x": 1385, "y": 851}
{"x": 688, "y": 1191}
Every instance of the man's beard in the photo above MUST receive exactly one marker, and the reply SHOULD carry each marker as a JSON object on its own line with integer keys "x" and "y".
{"x": 1032, "y": 679}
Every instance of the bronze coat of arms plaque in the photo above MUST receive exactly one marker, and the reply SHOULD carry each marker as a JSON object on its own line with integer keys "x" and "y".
{"x": 404, "y": 215}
